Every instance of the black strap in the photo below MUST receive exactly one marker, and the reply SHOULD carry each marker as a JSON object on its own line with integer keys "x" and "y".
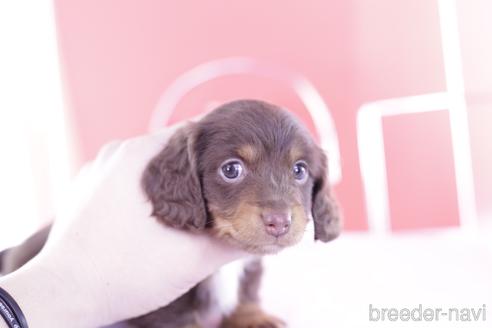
{"x": 10, "y": 311}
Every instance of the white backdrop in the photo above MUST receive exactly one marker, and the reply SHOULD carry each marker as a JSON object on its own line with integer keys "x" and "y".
{"x": 34, "y": 158}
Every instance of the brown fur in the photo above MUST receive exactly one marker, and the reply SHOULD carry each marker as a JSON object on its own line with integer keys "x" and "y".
{"x": 250, "y": 315}
{"x": 14, "y": 258}
{"x": 172, "y": 184}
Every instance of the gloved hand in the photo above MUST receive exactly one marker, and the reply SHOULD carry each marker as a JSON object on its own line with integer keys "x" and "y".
{"x": 106, "y": 259}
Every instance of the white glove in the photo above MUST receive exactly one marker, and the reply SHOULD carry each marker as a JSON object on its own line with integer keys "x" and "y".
{"x": 107, "y": 259}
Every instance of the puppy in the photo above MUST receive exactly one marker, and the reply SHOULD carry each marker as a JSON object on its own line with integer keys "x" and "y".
{"x": 247, "y": 173}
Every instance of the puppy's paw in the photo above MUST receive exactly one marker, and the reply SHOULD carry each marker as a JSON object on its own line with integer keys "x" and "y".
{"x": 251, "y": 316}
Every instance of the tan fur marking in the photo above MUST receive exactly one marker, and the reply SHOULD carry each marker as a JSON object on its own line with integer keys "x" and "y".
{"x": 248, "y": 152}
{"x": 295, "y": 153}
{"x": 245, "y": 228}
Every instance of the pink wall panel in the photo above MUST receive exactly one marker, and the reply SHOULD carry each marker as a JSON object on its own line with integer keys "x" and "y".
{"x": 420, "y": 171}
{"x": 480, "y": 121}
{"x": 119, "y": 56}
{"x": 397, "y": 49}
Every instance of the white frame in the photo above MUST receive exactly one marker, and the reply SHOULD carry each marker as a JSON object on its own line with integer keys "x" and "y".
{"x": 370, "y": 134}
{"x": 305, "y": 90}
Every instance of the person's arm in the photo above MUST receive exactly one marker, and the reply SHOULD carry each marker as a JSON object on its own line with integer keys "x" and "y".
{"x": 107, "y": 259}
{"x": 45, "y": 298}
{"x": 66, "y": 292}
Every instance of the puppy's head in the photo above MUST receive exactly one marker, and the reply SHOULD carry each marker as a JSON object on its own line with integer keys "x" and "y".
{"x": 248, "y": 172}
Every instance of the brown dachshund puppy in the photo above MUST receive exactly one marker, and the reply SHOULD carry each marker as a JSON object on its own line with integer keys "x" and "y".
{"x": 250, "y": 174}
{"x": 247, "y": 173}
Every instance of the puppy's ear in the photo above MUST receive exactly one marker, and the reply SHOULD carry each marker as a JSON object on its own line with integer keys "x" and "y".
{"x": 172, "y": 184}
{"x": 326, "y": 216}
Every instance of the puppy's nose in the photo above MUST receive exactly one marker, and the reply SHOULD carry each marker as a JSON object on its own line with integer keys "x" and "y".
{"x": 276, "y": 223}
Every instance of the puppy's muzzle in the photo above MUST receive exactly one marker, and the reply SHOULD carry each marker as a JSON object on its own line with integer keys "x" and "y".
{"x": 277, "y": 223}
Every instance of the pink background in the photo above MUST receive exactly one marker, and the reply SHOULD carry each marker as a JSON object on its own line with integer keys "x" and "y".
{"x": 119, "y": 56}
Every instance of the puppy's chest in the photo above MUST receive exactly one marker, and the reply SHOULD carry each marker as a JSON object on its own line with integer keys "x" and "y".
{"x": 222, "y": 290}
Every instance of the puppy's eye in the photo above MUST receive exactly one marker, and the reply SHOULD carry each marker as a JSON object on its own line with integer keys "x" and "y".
{"x": 232, "y": 170}
{"x": 300, "y": 172}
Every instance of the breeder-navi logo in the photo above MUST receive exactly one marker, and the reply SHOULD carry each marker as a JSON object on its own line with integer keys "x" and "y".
{"x": 420, "y": 313}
